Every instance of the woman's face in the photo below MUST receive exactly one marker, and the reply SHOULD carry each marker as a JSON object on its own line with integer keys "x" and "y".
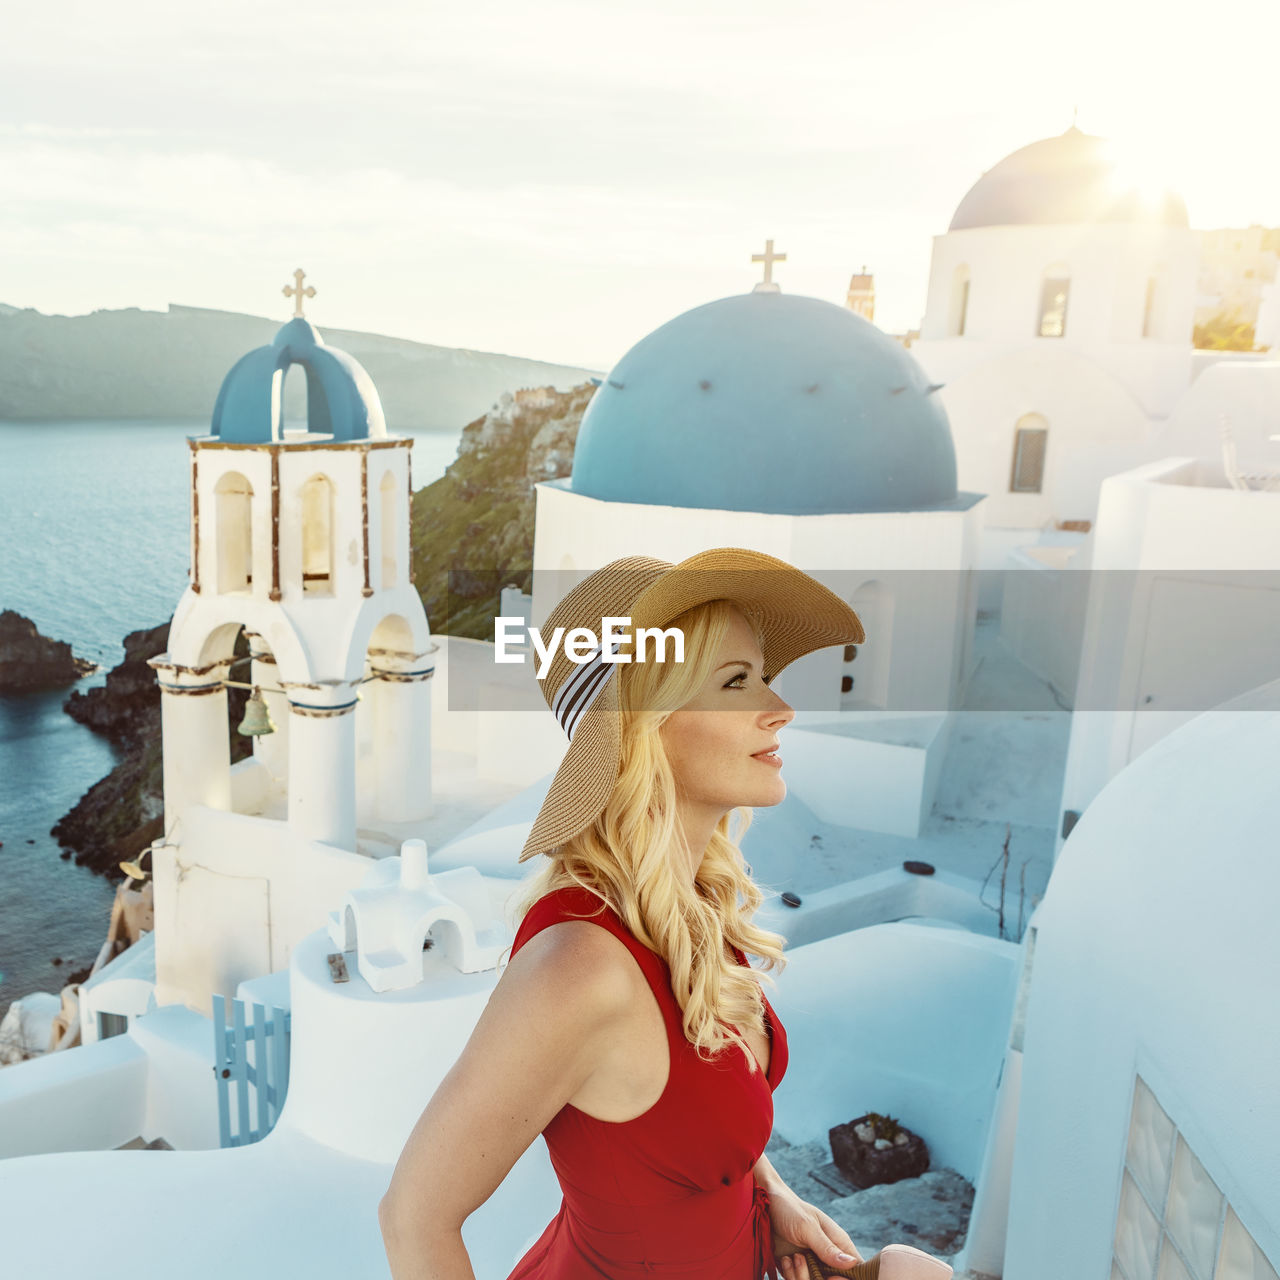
{"x": 722, "y": 744}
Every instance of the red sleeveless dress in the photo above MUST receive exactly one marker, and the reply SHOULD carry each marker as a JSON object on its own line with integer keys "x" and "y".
{"x": 669, "y": 1193}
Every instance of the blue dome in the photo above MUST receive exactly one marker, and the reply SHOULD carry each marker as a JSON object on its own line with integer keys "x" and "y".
{"x": 342, "y": 401}
{"x": 1072, "y": 178}
{"x": 767, "y": 402}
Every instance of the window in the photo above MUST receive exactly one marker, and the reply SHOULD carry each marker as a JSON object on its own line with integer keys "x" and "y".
{"x": 864, "y": 673}
{"x": 1053, "y": 306}
{"x": 233, "y": 505}
{"x": 1031, "y": 439}
{"x": 112, "y": 1024}
{"x": 1173, "y": 1222}
{"x": 1149, "y": 307}
{"x": 959, "y": 301}
{"x": 317, "y": 536}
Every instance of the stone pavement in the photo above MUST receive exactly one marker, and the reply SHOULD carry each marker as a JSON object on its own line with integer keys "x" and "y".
{"x": 930, "y": 1212}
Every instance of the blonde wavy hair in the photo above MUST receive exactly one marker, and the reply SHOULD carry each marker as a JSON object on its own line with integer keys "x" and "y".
{"x": 630, "y": 856}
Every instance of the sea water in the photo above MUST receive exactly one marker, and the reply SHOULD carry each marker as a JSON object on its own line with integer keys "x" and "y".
{"x": 94, "y": 543}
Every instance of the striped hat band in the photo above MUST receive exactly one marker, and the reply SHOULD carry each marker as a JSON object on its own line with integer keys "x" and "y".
{"x": 583, "y": 687}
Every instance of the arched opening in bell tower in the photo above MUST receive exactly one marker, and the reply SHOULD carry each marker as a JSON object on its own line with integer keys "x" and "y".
{"x": 317, "y": 536}
{"x": 233, "y": 526}
{"x": 294, "y": 412}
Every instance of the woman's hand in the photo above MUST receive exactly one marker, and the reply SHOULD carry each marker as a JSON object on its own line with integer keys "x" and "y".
{"x": 797, "y": 1224}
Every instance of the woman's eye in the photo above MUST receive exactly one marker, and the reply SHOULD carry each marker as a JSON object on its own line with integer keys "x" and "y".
{"x": 736, "y": 682}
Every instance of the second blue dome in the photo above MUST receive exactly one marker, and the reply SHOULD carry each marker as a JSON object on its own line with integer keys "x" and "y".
{"x": 767, "y": 402}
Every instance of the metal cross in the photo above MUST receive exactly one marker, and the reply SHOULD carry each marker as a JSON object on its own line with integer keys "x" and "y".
{"x": 768, "y": 257}
{"x": 298, "y": 292}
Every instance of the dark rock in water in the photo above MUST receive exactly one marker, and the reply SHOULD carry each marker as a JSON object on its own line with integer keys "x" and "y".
{"x": 472, "y": 529}
{"x": 107, "y": 824}
{"x": 126, "y": 709}
{"x": 30, "y": 661}
{"x": 119, "y": 816}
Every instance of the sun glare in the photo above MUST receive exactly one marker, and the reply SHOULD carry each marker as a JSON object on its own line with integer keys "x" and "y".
{"x": 1146, "y": 168}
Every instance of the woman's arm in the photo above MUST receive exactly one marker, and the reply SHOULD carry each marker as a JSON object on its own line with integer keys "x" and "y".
{"x": 797, "y": 1224}
{"x": 545, "y": 1030}
{"x": 766, "y": 1175}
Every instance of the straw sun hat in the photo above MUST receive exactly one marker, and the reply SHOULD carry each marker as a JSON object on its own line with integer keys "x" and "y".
{"x": 793, "y": 613}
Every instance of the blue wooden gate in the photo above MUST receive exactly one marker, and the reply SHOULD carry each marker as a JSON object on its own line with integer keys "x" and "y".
{"x": 267, "y": 1074}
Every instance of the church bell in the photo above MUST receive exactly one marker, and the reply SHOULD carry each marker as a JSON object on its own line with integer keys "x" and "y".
{"x": 256, "y": 720}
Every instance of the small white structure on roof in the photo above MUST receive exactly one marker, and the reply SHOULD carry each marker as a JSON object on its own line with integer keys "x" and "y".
{"x": 401, "y": 911}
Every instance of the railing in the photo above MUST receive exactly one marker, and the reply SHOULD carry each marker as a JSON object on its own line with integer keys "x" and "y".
{"x": 267, "y": 1075}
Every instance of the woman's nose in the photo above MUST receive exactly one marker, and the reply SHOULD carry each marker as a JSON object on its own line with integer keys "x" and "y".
{"x": 781, "y": 712}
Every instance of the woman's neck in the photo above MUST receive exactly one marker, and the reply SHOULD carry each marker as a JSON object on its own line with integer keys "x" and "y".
{"x": 694, "y": 830}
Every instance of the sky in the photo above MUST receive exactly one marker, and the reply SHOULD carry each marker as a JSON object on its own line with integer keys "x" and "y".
{"x": 555, "y": 179}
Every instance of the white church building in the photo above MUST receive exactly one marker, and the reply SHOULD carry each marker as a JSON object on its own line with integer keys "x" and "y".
{"x": 1104, "y": 1081}
{"x": 1060, "y": 307}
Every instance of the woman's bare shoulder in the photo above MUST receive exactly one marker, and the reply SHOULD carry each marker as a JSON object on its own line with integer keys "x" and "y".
{"x": 581, "y": 957}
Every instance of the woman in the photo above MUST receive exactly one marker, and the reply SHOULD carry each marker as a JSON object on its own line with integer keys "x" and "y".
{"x": 628, "y": 1027}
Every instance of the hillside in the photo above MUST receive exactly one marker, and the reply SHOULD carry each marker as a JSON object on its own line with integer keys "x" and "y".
{"x": 170, "y": 364}
{"x": 472, "y": 530}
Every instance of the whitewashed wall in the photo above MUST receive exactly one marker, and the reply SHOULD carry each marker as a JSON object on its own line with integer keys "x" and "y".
{"x": 932, "y": 615}
{"x": 906, "y": 1019}
{"x": 1108, "y": 264}
{"x": 1156, "y": 954}
{"x": 1166, "y": 628}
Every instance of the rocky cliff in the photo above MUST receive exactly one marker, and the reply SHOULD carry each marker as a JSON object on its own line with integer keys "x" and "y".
{"x": 157, "y": 364}
{"x": 127, "y": 708}
{"x": 122, "y": 813}
{"x": 30, "y": 661}
{"x": 473, "y": 528}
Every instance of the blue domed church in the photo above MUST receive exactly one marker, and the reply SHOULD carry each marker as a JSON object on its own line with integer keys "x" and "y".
{"x": 794, "y": 427}
{"x": 768, "y": 403}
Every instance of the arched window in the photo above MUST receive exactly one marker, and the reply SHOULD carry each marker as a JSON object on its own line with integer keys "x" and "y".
{"x": 959, "y": 302}
{"x": 864, "y": 673}
{"x": 1030, "y": 441}
{"x": 1054, "y": 290}
{"x": 1150, "y": 320}
{"x": 387, "y": 518}
{"x": 317, "y": 536}
{"x": 233, "y": 499}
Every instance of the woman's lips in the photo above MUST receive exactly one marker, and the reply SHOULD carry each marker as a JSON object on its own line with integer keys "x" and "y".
{"x": 770, "y": 757}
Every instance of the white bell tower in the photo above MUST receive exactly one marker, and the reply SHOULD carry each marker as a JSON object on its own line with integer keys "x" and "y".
{"x": 300, "y": 539}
